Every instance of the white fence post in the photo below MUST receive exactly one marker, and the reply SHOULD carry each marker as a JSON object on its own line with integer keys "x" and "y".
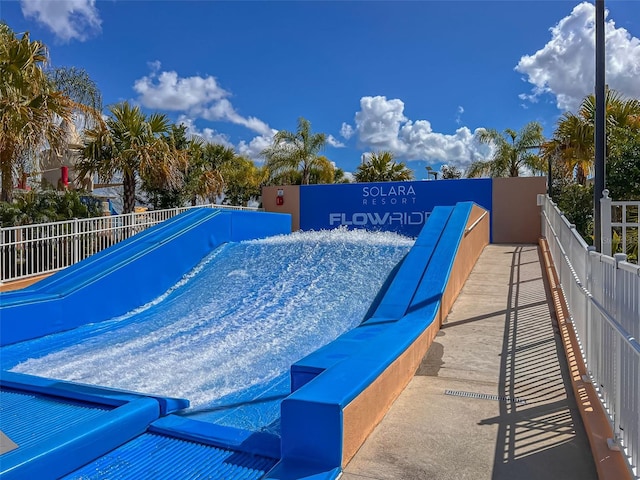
{"x": 588, "y": 314}
{"x": 605, "y": 223}
{"x": 75, "y": 254}
{"x": 619, "y": 257}
{"x": 618, "y": 285}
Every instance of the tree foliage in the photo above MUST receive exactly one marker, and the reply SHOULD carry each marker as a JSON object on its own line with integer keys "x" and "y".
{"x": 381, "y": 167}
{"x": 37, "y": 105}
{"x": 48, "y": 206}
{"x": 450, "y": 172}
{"x": 31, "y": 109}
{"x": 571, "y": 152}
{"x": 133, "y": 145}
{"x": 243, "y": 181}
{"x": 573, "y": 141}
{"x": 623, "y": 167}
{"x": 339, "y": 176}
{"x": 512, "y": 152}
{"x": 77, "y": 85}
{"x": 576, "y": 202}
{"x": 293, "y": 153}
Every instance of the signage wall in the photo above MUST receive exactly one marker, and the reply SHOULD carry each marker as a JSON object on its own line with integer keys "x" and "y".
{"x": 401, "y": 207}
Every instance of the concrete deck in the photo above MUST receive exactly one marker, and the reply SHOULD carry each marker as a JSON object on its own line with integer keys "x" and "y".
{"x": 492, "y": 397}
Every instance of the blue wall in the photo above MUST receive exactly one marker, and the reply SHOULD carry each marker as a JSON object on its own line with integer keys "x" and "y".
{"x": 401, "y": 207}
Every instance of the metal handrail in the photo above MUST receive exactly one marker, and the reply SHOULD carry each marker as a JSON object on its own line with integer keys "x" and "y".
{"x": 474, "y": 224}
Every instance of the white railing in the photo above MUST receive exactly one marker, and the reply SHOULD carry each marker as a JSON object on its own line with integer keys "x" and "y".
{"x": 31, "y": 250}
{"x": 621, "y": 218}
{"x": 603, "y": 296}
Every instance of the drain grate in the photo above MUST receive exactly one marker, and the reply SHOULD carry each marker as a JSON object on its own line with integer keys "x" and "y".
{"x": 486, "y": 396}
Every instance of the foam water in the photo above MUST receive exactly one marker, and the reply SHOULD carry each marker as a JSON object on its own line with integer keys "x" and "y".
{"x": 231, "y": 329}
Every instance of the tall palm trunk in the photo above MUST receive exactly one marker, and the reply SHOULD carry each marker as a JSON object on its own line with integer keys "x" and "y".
{"x": 306, "y": 174}
{"x": 7, "y": 175}
{"x": 129, "y": 194}
{"x": 581, "y": 176}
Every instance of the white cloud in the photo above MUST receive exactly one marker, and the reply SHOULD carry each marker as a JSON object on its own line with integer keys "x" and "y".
{"x": 223, "y": 110}
{"x": 169, "y": 92}
{"x": 249, "y": 149}
{"x": 253, "y": 148}
{"x": 350, "y": 176}
{"x": 154, "y": 66}
{"x": 334, "y": 142}
{"x": 460, "y": 111}
{"x": 346, "y": 131}
{"x": 564, "y": 67}
{"x": 67, "y": 19}
{"x": 382, "y": 125}
{"x": 378, "y": 122}
{"x": 198, "y": 97}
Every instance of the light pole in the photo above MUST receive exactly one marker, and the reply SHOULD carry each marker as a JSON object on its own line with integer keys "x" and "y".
{"x": 600, "y": 133}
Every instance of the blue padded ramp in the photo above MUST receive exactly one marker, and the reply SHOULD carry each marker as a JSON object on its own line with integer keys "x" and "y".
{"x": 59, "y": 426}
{"x": 155, "y": 456}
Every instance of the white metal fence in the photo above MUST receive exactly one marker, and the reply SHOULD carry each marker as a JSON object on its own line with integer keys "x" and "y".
{"x": 603, "y": 296}
{"x": 619, "y": 227}
{"x": 31, "y": 250}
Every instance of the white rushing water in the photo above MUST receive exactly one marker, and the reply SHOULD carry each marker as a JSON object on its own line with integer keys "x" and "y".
{"x": 240, "y": 319}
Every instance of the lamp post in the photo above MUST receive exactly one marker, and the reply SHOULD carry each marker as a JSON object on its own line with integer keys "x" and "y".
{"x": 600, "y": 134}
{"x": 431, "y": 171}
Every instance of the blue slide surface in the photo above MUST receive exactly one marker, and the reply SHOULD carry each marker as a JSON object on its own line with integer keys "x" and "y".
{"x": 128, "y": 274}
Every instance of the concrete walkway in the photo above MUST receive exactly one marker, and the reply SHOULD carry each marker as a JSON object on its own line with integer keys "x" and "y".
{"x": 492, "y": 398}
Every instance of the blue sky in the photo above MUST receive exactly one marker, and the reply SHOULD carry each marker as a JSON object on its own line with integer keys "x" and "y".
{"x": 418, "y": 78}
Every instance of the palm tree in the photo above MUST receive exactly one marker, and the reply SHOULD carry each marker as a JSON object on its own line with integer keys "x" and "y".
{"x": 381, "y": 167}
{"x": 76, "y": 84}
{"x": 450, "y": 172}
{"x": 204, "y": 178}
{"x": 512, "y": 152}
{"x": 339, "y": 176}
{"x": 201, "y": 179}
{"x": 133, "y": 145}
{"x": 294, "y": 152}
{"x": 32, "y": 111}
{"x": 573, "y": 141}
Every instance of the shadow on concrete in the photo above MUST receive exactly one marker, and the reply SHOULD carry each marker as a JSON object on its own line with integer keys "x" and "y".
{"x": 546, "y": 432}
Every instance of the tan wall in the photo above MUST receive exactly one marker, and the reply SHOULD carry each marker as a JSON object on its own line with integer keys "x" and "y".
{"x": 476, "y": 237}
{"x": 516, "y": 217}
{"x": 24, "y": 283}
{"x": 365, "y": 411}
{"x": 291, "y": 202}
